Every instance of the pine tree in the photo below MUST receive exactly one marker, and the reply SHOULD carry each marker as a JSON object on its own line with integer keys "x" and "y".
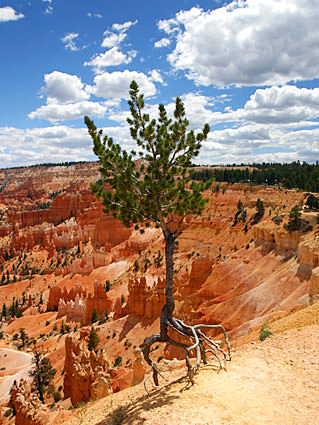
{"x": 294, "y": 218}
{"x": 62, "y": 329}
{"x": 240, "y": 205}
{"x": 23, "y": 337}
{"x": 156, "y": 189}
{"x": 95, "y": 316}
{"x": 4, "y": 311}
{"x": 93, "y": 340}
{"x": 260, "y": 207}
{"x": 312, "y": 202}
{"x": 42, "y": 373}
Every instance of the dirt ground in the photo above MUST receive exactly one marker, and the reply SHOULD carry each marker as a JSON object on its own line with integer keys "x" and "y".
{"x": 274, "y": 382}
{"x": 14, "y": 365}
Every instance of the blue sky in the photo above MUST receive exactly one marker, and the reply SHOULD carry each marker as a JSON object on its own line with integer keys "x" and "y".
{"x": 249, "y": 68}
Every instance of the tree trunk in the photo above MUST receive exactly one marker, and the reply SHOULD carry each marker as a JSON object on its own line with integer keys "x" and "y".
{"x": 194, "y": 333}
{"x": 169, "y": 252}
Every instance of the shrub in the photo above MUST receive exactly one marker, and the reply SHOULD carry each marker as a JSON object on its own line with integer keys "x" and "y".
{"x": 57, "y": 396}
{"x": 107, "y": 285}
{"x": 118, "y": 361}
{"x": 136, "y": 266}
{"x": 264, "y": 332}
{"x": 158, "y": 260}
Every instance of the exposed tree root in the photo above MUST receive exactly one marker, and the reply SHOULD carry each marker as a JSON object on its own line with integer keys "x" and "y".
{"x": 202, "y": 344}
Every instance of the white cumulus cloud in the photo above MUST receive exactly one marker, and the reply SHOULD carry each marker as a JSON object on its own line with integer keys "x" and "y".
{"x": 286, "y": 104}
{"x": 49, "y": 9}
{"x": 63, "y": 88}
{"x": 111, "y": 57}
{"x": 248, "y": 42}
{"x": 67, "y": 99}
{"x": 71, "y": 111}
{"x": 7, "y": 13}
{"x": 42, "y": 145}
{"x": 57, "y": 143}
{"x": 112, "y": 39}
{"x": 116, "y": 84}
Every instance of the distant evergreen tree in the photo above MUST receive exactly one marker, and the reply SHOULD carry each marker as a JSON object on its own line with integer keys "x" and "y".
{"x": 95, "y": 316}
{"x": 312, "y": 202}
{"x": 296, "y": 222}
{"x": 294, "y": 218}
{"x": 93, "y": 340}
{"x": 240, "y": 205}
{"x": 23, "y": 337}
{"x": 107, "y": 285}
{"x": 42, "y": 373}
{"x": 62, "y": 329}
{"x": 260, "y": 211}
{"x": 297, "y": 175}
{"x": 4, "y": 312}
{"x": 260, "y": 207}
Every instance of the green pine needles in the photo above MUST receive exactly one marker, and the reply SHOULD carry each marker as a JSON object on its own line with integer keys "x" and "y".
{"x": 152, "y": 185}
{"x": 158, "y": 185}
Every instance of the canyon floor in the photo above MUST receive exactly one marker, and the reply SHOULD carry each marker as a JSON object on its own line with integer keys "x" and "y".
{"x": 16, "y": 365}
{"x": 267, "y": 383}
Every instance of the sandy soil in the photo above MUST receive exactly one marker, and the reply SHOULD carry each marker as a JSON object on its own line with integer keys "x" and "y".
{"x": 16, "y": 365}
{"x": 274, "y": 382}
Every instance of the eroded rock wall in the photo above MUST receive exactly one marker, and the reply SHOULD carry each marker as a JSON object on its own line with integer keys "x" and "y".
{"x": 28, "y": 407}
{"x": 86, "y": 372}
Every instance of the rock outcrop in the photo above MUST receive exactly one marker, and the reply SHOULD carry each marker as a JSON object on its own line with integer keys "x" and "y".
{"x": 308, "y": 251}
{"x": 314, "y": 282}
{"x": 86, "y": 372}
{"x": 138, "y": 367}
{"x": 272, "y": 237}
{"x": 146, "y": 297}
{"x": 77, "y": 304}
{"x": 28, "y": 407}
{"x": 56, "y": 293}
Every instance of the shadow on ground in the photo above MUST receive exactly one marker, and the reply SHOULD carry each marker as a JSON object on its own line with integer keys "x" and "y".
{"x": 134, "y": 411}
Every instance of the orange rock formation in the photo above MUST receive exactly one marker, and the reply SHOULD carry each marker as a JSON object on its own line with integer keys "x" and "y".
{"x": 77, "y": 305}
{"x": 86, "y": 372}
{"x": 29, "y": 409}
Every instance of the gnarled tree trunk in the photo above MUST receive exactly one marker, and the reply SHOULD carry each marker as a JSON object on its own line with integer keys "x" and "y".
{"x": 201, "y": 344}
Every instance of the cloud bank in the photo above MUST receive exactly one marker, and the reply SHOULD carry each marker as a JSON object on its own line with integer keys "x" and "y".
{"x": 247, "y": 43}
